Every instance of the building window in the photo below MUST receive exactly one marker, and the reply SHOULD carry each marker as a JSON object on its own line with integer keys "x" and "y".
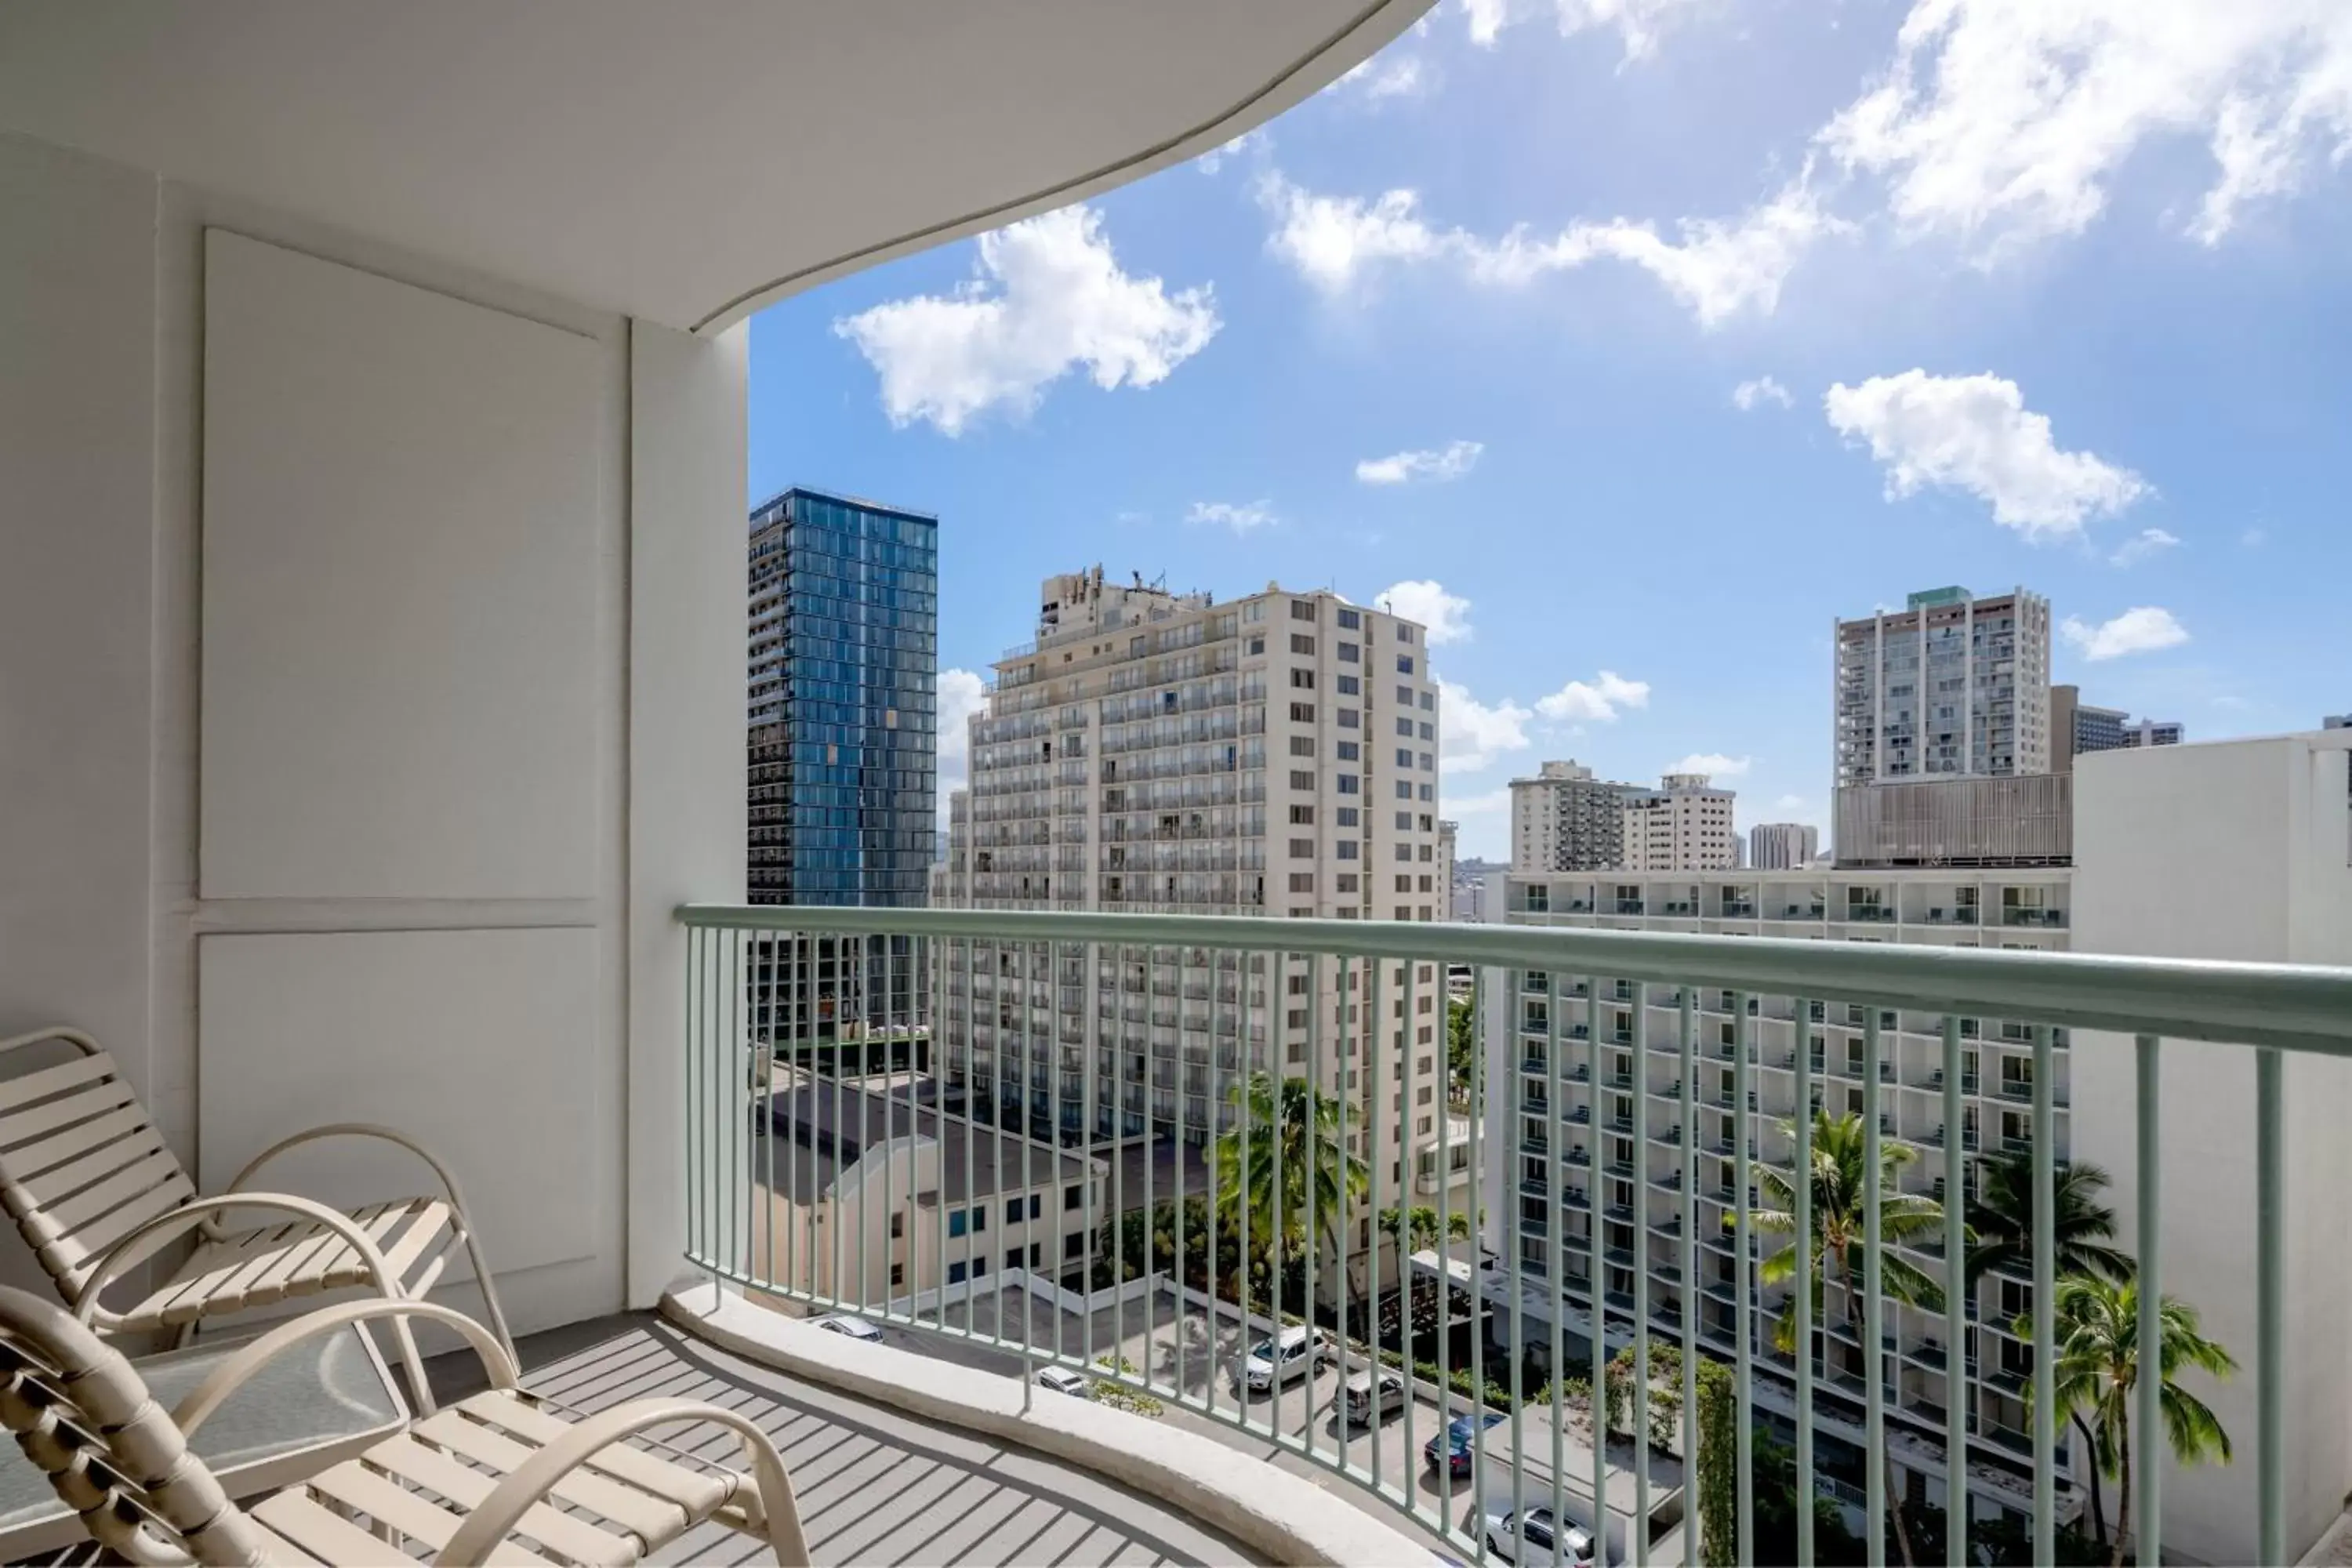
{"x": 1404, "y": 756}
{"x": 1013, "y": 1212}
{"x": 1302, "y": 712}
{"x": 1349, "y": 751}
{"x": 1302, "y": 609}
{"x": 1301, "y": 643}
{"x": 1404, "y": 852}
{"x": 956, "y": 1272}
{"x": 1344, "y": 881}
{"x": 1256, "y": 645}
{"x": 1404, "y": 695}
{"x": 1404, "y": 663}
{"x": 1302, "y": 881}
{"x": 1303, "y": 679}
{"x": 1403, "y": 885}
{"x": 1428, "y": 792}
{"x": 1405, "y": 728}
{"x": 1404, "y": 789}
{"x": 1351, "y": 619}
{"x": 1404, "y": 822}
{"x": 1348, "y": 651}
{"x": 897, "y": 1226}
{"x": 1351, "y": 687}
{"x": 1345, "y": 848}
{"x": 1300, "y": 780}
{"x": 1404, "y": 631}
{"x": 1347, "y": 784}
{"x": 1073, "y": 1197}
{"x": 898, "y": 1275}
{"x": 1302, "y": 745}
{"x": 1347, "y": 717}
{"x": 1073, "y": 1245}
{"x": 1302, "y": 817}
{"x": 1429, "y": 702}
{"x": 1302, "y": 849}
{"x": 1346, "y": 817}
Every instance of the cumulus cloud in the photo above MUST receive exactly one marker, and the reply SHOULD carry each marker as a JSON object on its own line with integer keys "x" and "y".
{"x": 2141, "y": 629}
{"x": 962, "y": 694}
{"x": 1601, "y": 701}
{"x": 1715, "y": 268}
{"x": 1637, "y": 23}
{"x": 1714, "y": 764}
{"x": 1974, "y": 433}
{"x": 1387, "y": 76}
{"x": 2148, "y": 541}
{"x": 1445, "y": 615}
{"x": 1049, "y": 298}
{"x": 1749, "y": 395}
{"x": 1436, "y": 463}
{"x": 1472, "y": 734}
{"x": 2003, "y": 122}
{"x": 1258, "y": 141}
{"x": 1241, "y": 517}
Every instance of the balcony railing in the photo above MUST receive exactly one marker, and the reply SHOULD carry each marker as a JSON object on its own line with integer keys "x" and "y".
{"x": 906, "y": 1199}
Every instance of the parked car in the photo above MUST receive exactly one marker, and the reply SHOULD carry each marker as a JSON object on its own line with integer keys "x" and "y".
{"x": 1531, "y": 1535}
{"x": 1452, "y": 1450}
{"x": 851, "y": 1326}
{"x": 1360, "y": 1403}
{"x": 1062, "y": 1380}
{"x": 1297, "y": 1351}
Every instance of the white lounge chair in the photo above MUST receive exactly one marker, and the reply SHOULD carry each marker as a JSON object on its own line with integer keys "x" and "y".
{"x": 500, "y": 1477}
{"x": 94, "y": 1191}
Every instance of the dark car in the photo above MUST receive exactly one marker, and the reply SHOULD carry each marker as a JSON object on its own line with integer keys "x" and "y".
{"x": 1451, "y": 1449}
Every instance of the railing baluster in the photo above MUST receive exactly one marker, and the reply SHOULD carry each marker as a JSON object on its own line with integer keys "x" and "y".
{"x": 1515, "y": 1103}
{"x": 698, "y": 1245}
{"x": 1440, "y": 1489}
{"x": 2045, "y": 1397}
{"x": 940, "y": 949}
{"x": 1801, "y": 1181}
{"x": 1743, "y": 1325}
{"x": 1213, "y": 1106}
{"x": 1478, "y": 1003}
{"x": 2270, "y": 1299}
{"x": 1640, "y": 1545}
{"x": 974, "y": 1213}
{"x": 1029, "y": 1208}
{"x": 1874, "y": 1303}
{"x": 1597, "y": 1274}
{"x": 1372, "y": 1053}
{"x": 2148, "y": 1506}
{"x": 1150, "y": 1153}
{"x": 1686, "y": 1165}
{"x": 1956, "y": 1327}
{"x": 1405, "y": 1281}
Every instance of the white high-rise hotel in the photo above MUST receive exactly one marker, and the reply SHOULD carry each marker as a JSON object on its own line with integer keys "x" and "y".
{"x": 1947, "y": 685}
{"x": 1274, "y": 755}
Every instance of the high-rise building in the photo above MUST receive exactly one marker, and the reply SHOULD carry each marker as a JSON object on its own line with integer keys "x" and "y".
{"x": 1683, "y": 824}
{"x": 1449, "y": 835}
{"x": 844, "y": 679}
{"x": 1947, "y": 685}
{"x": 2336, "y": 721}
{"x": 1151, "y": 751}
{"x": 1783, "y": 845}
{"x": 2076, "y": 726}
{"x": 1564, "y": 819}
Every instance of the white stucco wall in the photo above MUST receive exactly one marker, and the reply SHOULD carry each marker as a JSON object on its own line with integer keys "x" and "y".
{"x": 2230, "y": 850}
{"x": 467, "y": 724}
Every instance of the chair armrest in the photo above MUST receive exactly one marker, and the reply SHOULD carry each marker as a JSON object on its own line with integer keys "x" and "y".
{"x": 497, "y": 1515}
{"x": 198, "y": 1212}
{"x": 357, "y": 1129}
{"x": 231, "y": 1375}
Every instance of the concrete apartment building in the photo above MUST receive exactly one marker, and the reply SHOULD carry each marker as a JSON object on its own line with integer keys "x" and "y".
{"x": 2076, "y": 726}
{"x": 1783, "y": 845}
{"x": 1564, "y": 819}
{"x": 1947, "y": 685}
{"x": 842, "y": 747}
{"x": 1274, "y": 755}
{"x": 1683, "y": 824}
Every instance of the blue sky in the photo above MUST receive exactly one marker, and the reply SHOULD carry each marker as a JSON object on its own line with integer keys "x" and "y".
{"x": 2050, "y": 292}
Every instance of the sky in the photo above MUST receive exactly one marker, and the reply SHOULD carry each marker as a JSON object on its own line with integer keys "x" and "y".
{"x": 1628, "y": 343}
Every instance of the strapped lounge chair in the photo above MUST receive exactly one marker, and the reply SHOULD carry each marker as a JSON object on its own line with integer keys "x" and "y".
{"x": 497, "y": 1477}
{"x": 94, "y": 1191}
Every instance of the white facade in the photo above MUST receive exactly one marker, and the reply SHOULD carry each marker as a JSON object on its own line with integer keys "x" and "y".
{"x": 1684, "y": 824}
{"x": 1947, "y": 685}
{"x": 1275, "y": 755}
{"x": 1551, "y": 1159}
{"x": 2237, "y": 849}
{"x": 1783, "y": 845}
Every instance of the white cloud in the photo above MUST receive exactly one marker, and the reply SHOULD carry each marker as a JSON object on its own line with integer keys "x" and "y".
{"x": 962, "y": 694}
{"x": 1716, "y": 268}
{"x": 2142, "y": 629}
{"x": 1747, "y": 394}
{"x": 1446, "y": 616}
{"x": 1049, "y": 298}
{"x": 1638, "y": 23}
{"x": 1974, "y": 433}
{"x": 1451, "y": 461}
{"x": 1472, "y": 734}
{"x": 2148, "y": 541}
{"x": 1491, "y": 802}
{"x": 1386, "y": 76}
{"x": 1258, "y": 141}
{"x": 2254, "y": 538}
{"x": 2002, "y": 121}
{"x": 1714, "y": 764}
{"x": 1601, "y": 701}
{"x": 1790, "y": 803}
{"x": 1240, "y": 517}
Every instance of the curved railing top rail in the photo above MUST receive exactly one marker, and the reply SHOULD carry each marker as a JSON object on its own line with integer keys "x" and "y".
{"x": 2296, "y": 1006}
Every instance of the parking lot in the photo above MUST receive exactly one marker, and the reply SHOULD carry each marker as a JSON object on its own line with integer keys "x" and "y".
{"x": 1175, "y": 1343}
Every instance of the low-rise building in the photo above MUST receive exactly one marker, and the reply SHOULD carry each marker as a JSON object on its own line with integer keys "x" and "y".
{"x": 1683, "y": 824}
{"x": 1783, "y": 845}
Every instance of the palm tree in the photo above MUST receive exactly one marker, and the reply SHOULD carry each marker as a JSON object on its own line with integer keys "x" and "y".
{"x": 2097, "y": 1367}
{"x": 1303, "y": 1133}
{"x": 1418, "y": 1228}
{"x": 1840, "y": 1242}
{"x": 2002, "y": 1220}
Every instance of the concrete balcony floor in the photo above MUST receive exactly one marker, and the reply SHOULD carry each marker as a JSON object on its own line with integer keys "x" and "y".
{"x": 874, "y": 1485}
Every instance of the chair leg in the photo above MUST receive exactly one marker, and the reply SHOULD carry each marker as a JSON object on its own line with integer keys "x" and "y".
{"x": 413, "y": 1365}
{"x": 490, "y": 1291}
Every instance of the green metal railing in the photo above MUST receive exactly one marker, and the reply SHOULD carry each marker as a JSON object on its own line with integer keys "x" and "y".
{"x": 1006, "y": 1024}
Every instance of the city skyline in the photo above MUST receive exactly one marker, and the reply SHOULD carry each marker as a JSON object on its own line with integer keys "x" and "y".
{"x": 1325, "y": 361}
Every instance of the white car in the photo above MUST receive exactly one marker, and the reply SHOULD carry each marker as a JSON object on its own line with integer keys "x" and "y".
{"x": 1298, "y": 1352}
{"x": 851, "y": 1326}
{"x": 1358, "y": 1400}
{"x": 1062, "y": 1380}
{"x": 1531, "y": 1536}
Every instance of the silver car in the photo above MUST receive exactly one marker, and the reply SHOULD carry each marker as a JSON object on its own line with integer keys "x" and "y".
{"x": 1062, "y": 1380}
{"x": 850, "y": 1326}
{"x": 1530, "y": 1535}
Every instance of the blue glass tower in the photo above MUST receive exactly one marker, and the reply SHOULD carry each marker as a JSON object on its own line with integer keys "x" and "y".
{"x": 843, "y": 735}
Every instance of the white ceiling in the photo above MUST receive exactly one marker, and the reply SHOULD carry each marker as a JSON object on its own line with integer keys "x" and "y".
{"x": 684, "y": 160}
